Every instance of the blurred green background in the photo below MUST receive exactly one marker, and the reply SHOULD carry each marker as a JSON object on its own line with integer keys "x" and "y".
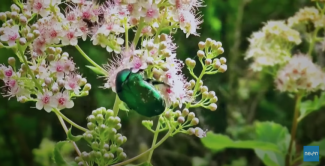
{"x": 26, "y": 134}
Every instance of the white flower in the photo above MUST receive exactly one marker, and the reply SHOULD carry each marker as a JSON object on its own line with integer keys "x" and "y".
{"x": 10, "y": 35}
{"x": 62, "y": 100}
{"x": 45, "y": 101}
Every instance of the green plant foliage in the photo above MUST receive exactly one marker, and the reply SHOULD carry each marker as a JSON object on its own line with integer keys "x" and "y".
{"x": 309, "y": 106}
{"x": 58, "y": 157}
{"x": 72, "y": 137}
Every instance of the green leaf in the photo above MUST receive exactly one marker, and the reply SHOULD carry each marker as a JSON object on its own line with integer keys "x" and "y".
{"x": 321, "y": 145}
{"x": 219, "y": 142}
{"x": 58, "y": 159}
{"x": 270, "y": 132}
{"x": 123, "y": 107}
{"x": 72, "y": 137}
{"x": 309, "y": 106}
{"x": 96, "y": 70}
{"x": 142, "y": 164}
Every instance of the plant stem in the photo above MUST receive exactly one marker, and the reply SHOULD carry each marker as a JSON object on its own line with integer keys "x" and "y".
{"x": 147, "y": 151}
{"x": 89, "y": 59}
{"x": 154, "y": 140}
{"x": 137, "y": 35}
{"x": 126, "y": 34}
{"x": 293, "y": 128}
{"x": 69, "y": 121}
{"x": 66, "y": 131}
{"x": 199, "y": 79}
{"x": 116, "y": 106}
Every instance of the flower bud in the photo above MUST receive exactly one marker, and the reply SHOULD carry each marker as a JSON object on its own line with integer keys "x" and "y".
{"x": 178, "y": 113}
{"x": 22, "y": 41}
{"x": 213, "y": 107}
{"x": 108, "y": 156}
{"x": 181, "y": 119}
{"x": 118, "y": 126}
{"x": 156, "y": 73}
{"x": 147, "y": 123}
{"x": 47, "y": 80}
{"x": 100, "y": 118}
{"x": 77, "y": 159}
{"x": 14, "y": 15}
{"x": 208, "y": 42}
{"x": 84, "y": 93}
{"x": 163, "y": 45}
{"x": 201, "y": 45}
{"x": 8, "y": 14}
{"x": 3, "y": 17}
{"x": 185, "y": 112}
{"x": 36, "y": 33}
{"x": 220, "y": 50}
{"x": 211, "y": 94}
{"x": 214, "y": 99}
{"x": 87, "y": 87}
{"x": 122, "y": 156}
{"x": 216, "y": 45}
{"x": 195, "y": 121}
{"x": 200, "y": 83}
{"x": 58, "y": 50}
{"x": 223, "y": 68}
{"x": 81, "y": 163}
{"x": 91, "y": 118}
{"x": 119, "y": 150}
{"x": 83, "y": 81}
{"x": 200, "y": 54}
{"x": 192, "y": 82}
{"x": 205, "y": 95}
{"x": 23, "y": 20}
{"x": 204, "y": 89}
{"x": 191, "y": 131}
{"x": 89, "y": 137}
{"x": 30, "y": 37}
{"x": 223, "y": 60}
{"x": 95, "y": 145}
{"x": 15, "y": 8}
{"x": 109, "y": 113}
{"x": 190, "y": 116}
{"x": 208, "y": 61}
{"x": 34, "y": 27}
{"x": 65, "y": 54}
{"x": 176, "y": 103}
{"x": 85, "y": 156}
{"x": 216, "y": 63}
{"x": 106, "y": 146}
{"x": 28, "y": 15}
{"x": 12, "y": 61}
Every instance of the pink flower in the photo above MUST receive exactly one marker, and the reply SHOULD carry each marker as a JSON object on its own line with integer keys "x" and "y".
{"x": 188, "y": 22}
{"x": 58, "y": 68}
{"x": 62, "y": 100}
{"x": 10, "y": 35}
{"x": 71, "y": 37}
{"x": 150, "y": 12}
{"x": 138, "y": 63}
{"x": 72, "y": 83}
{"x": 40, "y": 7}
{"x": 45, "y": 101}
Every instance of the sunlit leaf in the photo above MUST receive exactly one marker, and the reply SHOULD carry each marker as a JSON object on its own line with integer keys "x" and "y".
{"x": 57, "y": 157}
{"x": 72, "y": 137}
{"x": 96, "y": 70}
{"x": 309, "y": 106}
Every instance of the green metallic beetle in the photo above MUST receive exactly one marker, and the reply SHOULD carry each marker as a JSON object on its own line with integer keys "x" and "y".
{"x": 138, "y": 94}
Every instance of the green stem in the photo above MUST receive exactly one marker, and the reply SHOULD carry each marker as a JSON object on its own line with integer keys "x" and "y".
{"x": 137, "y": 35}
{"x": 313, "y": 42}
{"x": 116, "y": 106}
{"x": 154, "y": 140}
{"x": 199, "y": 79}
{"x": 65, "y": 128}
{"x": 147, "y": 151}
{"x": 69, "y": 121}
{"x": 294, "y": 128}
{"x": 126, "y": 34}
{"x": 89, "y": 59}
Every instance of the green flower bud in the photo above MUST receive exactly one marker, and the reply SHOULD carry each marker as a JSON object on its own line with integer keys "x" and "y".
{"x": 163, "y": 45}
{"x": 99, "y": 118}
{"x": 34, "y": 27}
{"x": 117, "y": 119}
{"x": 15, "y": 8}
{"x": 106, "y": 146}
{"x": 223, "y": 60}
{"x": 109, "y": 113}
{"x": 208, "y": 42}
{"x": 200, "y": 54}
{"x": 192, "y": 82}
{"x": 213, "y": 107}
{"x": 91, "y": 126}
{"x": 14, "y": 15}
{"x": 205, "y": 95}
{"x": 30, "y": 37}
{"x": 108, "y": 156}
{"x": 208, "y": 62}
{"x": 22, "y": 41}
{"x": 3, "y": 17}
{"x": 190, "y": 116}
{"x": 178, "y": 113}
{"x": 58, "y": 50}
{"x": 195, "y": 121}
{"x": 176, "y": 103}
{"x": 211, "y": 94}
{"x": 65, "y": 54}
{"x": 77, "y": 159}
{"x": 119, "y": 150}
{"x": 118, "y": 126}
{"x": 95, "y": 145}
{"x": 91, "y": 118}
{"x": 82, "y": 82}
{"x": 81, "y": 163}
{"x": 122, "y": 156}
{"x": 85, "y": 156}
{"x": 88, "y": 136}
{"x": 102, "y": 127}
{"x": 191, "y": 131}
{"x": 98, "y": 154}
{"x": 167, "y": 114}
{"x": 12, "y": 61}
{"x": 156, "y": 73}
{"x": 147, "y": 123}
{"x": 204, "y": 89}
{"x": 92, "y": 155}
{"x": 112, "y": 130}
{"x": 36, "y": 33}
{"x": 216, "y": 45}
{"x": 220, "y": 50}
{"x": 201, "y": 45}
{"x": 113, "y": 148}
{"x": 23, "y": 20}
{"x": 119, "y": 140}
{"x": 185, "y": 112}
{"x": 223, "y": 68}
{"x": 200, "y": 83}
{"x": 216, "y": 63}
{"x": 214, "y": 99}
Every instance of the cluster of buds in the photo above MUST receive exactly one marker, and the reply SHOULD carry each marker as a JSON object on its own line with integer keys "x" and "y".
{"x": 103, "y": 139}
{"x": 52, "y": 78}
{"x": 300, "y": 75}
{"x": 184, "y": 119}
{"x": 272, "y": 45}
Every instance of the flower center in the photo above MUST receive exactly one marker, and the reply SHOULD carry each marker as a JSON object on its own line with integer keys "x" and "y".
{"x": 62, "y": 101}
{"x": 53, "y": 34}
{"x": 59, "y": 68}
{"x": 46, "y": 99}
{"x": 70, "y": 35}
{"x": 38, "y": 6}
{"x": 12, "y": 83}
{"x": 13, "y": 37}
{"x": 8, "y": 72}
{"x": 150, "y": 13}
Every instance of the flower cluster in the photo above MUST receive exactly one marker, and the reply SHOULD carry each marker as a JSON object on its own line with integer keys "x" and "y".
{"x": 103, "y": 139}
{"x": 52, "y": 79}
{"x": 272, "y": 45}
{"x": 300, "y": 74}
{"x": 306, "y": 16}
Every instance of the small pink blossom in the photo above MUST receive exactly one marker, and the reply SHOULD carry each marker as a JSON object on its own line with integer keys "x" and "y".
{"x": 72, "y": 83}
{"x": 10, "y": 35}
{"x": 40, "y": 7}
{"x": 138, "y": 63}
{"x": 45, "y": 101}
{"x": 71, "y": 37}
{"x": 58, "y": 67}
{"x": 62, "y": 100}
{"x": 150, "y": 12}
{"x": 188, "y": 22}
